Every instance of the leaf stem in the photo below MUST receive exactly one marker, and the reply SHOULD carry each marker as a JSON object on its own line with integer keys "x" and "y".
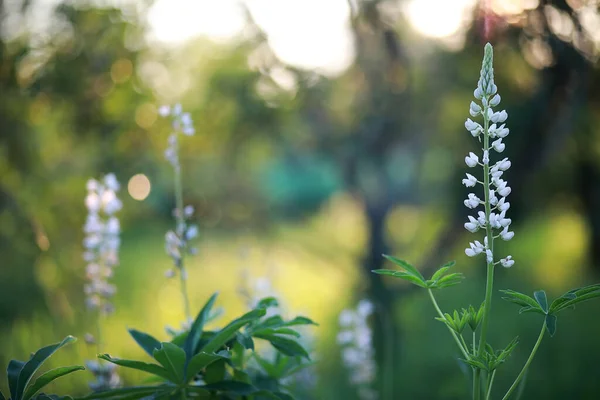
{"x": 527, "y": 363}
{"x": 489, "y": 385}
{"x": 454, "y": 335}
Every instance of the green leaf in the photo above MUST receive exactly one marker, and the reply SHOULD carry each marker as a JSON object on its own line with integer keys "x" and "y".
{"x": 35, "y": 363}
{"x": 48, "y": 377}
{"x": 540, "y": 297}
{"x": 228, "y": 332}
{"x": 245, "y": 340}
{"x": 287, "y": 346}
{"x": 231, "y": 387}
{"x": 172, "y": 357}
{"x": 551, "y": 324}
{"x": 215, "y": 372}
{"x": 523, "y": 300}
{"x": 277, "y": 331}
{"x": 300, "y": 321}
{"x": 141, "y": 366}
{"x": 199, "y": 362}
{"x": 442, "y": 271}
{"x": 267, "y": 302}
{"x": 268, "y": 367}
{"x": 193, "y": 338}
{"x": 140, "y": 391}
{"x": 450, "y": 280}
{"x": 13, "y": 371}
{"x": 402, "y": 275}
{"x": 575, "y": 296}
{"x": 146, "y": 341}
{"x": 406, "y": 266}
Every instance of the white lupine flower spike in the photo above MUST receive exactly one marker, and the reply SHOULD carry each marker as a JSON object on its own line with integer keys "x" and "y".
{"x": 490, "y": 132}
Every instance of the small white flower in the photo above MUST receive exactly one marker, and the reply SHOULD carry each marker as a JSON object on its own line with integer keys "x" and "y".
{"x": 504, "y": 164}
{"x": 506, "y": 234}
{"x": 474, "y": 109}
{"x": 503, "y": 205}
{"x": 474, "y": 249}
{"x": 191, "y": 232}
{"x": 498, "y": 145}
{"x": 170, "y": 273}
{"x": 177, "y": 109}
{"x": 365, "y": 308}
{"x": 471, "y": 125}
{"x": 494, "y": 101}
{"x": 470, "y": 181}
{"x": 490, "y": 114}
{"x": 486, "y": 157}
{"x": 472, "y": 201}
{"x": 493, "y": 198}
{"x": 502, "y": 116}
{"x": 507, "y": 262}
{"x": 505, "y": 191}
{"x": 346, "y": 318}
{"x": 111, "y": 182}
{"x": 471, "y": 160}
{"x": 478, "y": 93}
{"x": 472, "y": 225}
{"x": 502, "y": 132}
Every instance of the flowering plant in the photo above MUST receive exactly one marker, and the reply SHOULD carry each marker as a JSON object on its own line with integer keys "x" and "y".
{"x": 491, "y": 205}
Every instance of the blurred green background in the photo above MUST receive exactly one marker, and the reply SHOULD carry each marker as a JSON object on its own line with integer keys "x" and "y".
{"x": 327, "y": 133}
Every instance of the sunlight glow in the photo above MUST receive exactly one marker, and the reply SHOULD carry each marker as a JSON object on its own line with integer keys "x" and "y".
{"x": 439, "y": 18}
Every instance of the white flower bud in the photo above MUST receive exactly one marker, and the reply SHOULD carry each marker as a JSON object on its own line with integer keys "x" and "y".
{"x": 494, "y": 101}
{"x": 472, "y": 201}
{"x": 506, "y": 235}
{"x": 505, "y": 191}
{"x": 474, "y": 109}
{"x": 504, "y": 164}
{"x": 164, "y": 110}
{"x": 470, "y": 181}
{"x": 478, "y": 93}
{"x": 486, "y": 157}
{"x": 472, "y": 225}
{"x": 498, "y": 145}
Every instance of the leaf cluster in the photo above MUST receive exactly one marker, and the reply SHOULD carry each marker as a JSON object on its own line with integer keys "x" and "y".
{"x": 212, "y": 364}
{"x": 20, "y": 374}
{"x": 439, "y": 280}
{"x": 490, "y": 360}
{"x": 539, "y": 303}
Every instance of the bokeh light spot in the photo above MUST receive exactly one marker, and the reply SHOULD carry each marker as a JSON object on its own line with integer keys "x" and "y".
{"x": 139, "y": 187}
{"x": 145, "y": 115}
{"x": 121, "y": 70}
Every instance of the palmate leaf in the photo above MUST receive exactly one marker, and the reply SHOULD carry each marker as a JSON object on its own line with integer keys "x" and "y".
{"x": 528, "y": 304}
{"x": 48, "y": 377}
{"x": 448, "y": 280}
{"x": 542, "y": 300}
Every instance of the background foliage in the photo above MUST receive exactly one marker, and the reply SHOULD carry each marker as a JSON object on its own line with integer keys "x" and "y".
{"x": 307, "y": 183}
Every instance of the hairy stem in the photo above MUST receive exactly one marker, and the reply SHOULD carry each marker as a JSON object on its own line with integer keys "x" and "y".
{"x": 454, "y": 335}
{"x": 526, "y": 366}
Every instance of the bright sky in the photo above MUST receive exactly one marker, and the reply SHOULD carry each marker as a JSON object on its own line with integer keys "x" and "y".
{"x": 311, "y": 34}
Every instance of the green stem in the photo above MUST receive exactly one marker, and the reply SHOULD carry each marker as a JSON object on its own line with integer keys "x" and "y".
{"x": 180, "y": 222}
{"x": 489, "y": 385}
{"x": 526, "y": 366}
{"x": 99, "y": 342}
{"x": 454, "y": 335}
{"x": 490, "y": 265}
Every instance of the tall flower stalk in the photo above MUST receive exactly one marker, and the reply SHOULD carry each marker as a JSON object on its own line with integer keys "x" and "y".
{"x": 493, "y": 218}
{"x": 177, "y": 240}
{"x": 101, "y": 244}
